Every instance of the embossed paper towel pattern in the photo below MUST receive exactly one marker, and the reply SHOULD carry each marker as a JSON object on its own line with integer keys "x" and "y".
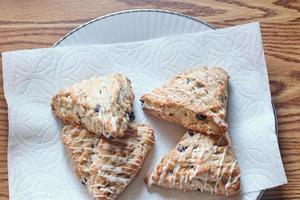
{"x": 37, "y": 160}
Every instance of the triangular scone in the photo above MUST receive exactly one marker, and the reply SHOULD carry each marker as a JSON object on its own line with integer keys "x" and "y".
{"x": 107, "y": 166}
{"x": 196, "y": 99}
{"x": 199, "y": 162}
{"x": 103, "y": 105}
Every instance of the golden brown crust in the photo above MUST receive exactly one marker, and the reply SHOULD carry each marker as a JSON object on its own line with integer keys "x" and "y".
{"x": 199, "y": 162}
{"x": 107, "y": 166}
{"x": 103, "y": 105}
{"x": 196, "y": 99}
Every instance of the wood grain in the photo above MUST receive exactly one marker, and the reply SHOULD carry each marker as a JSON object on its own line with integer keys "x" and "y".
{"x": 34, "y": 24}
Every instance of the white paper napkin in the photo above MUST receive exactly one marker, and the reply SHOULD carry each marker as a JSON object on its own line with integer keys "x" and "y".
{"x": 39, "y": 167}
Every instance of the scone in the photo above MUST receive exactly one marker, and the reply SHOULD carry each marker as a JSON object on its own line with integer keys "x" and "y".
{"x": 107, "y": 166}
{"x": 103, "y": 105}
{"x": 196, "y": 99}
{"x": 199, "y": 162}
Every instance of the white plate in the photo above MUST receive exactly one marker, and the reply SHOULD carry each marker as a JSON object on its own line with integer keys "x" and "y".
{"x": 135, "y": 25}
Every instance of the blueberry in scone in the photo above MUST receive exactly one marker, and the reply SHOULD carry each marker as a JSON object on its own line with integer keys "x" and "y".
{"x": 103, "y": 105}
{"x": 107, "y": 166}
{"x": 199, "y": 162}
{"x": 196, "y": 99}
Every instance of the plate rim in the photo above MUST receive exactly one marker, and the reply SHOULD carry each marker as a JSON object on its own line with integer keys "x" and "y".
{"x": 56, "y": 44}
{"x": 130, "y": 11}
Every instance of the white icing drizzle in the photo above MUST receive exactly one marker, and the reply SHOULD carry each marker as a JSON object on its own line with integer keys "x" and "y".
{"x": 181, "y": 182}
{"x": 128, "y": 142}
{"x": 115, "y": 179}
{"x": 177, "y": 97}
{"x": 113, "y": 123}
{"x": 163, "y": 174}
{"x": 230, "y": 181}
{"x": 186, "y": 179}
{"x": 195, "y": 172}
{"x": 150, "y": 179}
{"x": 111, "y": 168}
{"x": 219, "y": 173}
{"x": 127, "y": 145}
{"x": 89, "y": 151}
{"x": 80, "y": 149}
{"x": 217, "y": 120}
{"x": 106, "y": 190}
{"x": 143, "y": 129}
{"x": 197, "y": 154}
{"x": 116, "y": 158}
{"x": 173, "y": 176}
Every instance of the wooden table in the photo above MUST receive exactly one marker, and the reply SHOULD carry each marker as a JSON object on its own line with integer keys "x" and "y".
{"x": 35, "y": 24}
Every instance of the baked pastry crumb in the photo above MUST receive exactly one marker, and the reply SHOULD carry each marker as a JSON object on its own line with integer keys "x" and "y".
{"x": 199, "y": 162}
{"x": 196, "y": 99}
{"x": 107, "y": 166}
{"x": 103, "y": 105}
